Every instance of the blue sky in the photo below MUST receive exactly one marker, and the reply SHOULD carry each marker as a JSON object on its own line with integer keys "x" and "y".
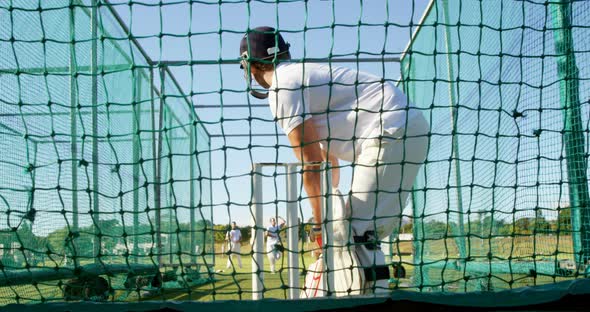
{"x": 315, "y": 29}
{"x": 217, "y": 30}
{"x": 358, "y": 27}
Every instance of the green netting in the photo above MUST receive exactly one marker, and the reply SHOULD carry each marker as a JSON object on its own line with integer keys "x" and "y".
{"x": 126, "y": 127}
{"x": 82, "y": 149}
{"x": 508, "y": 155}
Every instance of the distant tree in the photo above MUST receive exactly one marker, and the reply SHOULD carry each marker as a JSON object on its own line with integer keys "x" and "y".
{"x": 564, "y": 219}
{"x": 110, "y": 227}
{"x": 407, "y": 227}
{"x": 246, "y": 234}
{"x": 436, "y": 229}
{"x": 204, "y": 229}
{"x": 220, "y": 232}
{"x": 524, "y": 226}
{"x": 57, "y": 240}
{"x": 506, "y": 229}
{"x": 28, "y": 239}
{"x": 541, "y": 224}
{"x": 487, "y": 226}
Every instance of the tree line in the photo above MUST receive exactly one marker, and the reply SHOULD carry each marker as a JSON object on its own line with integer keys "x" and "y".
{"x": 486, "y": 226}
{"x": 112, "y": 235}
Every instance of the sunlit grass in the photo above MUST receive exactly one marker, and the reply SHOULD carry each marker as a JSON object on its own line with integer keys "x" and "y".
{"x": 236, "y": 283}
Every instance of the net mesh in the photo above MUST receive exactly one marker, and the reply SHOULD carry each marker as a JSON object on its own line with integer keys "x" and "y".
{"x": 114, "y": 165}
{"x": 95, "y": 146}
{"x": 490, "y": 77}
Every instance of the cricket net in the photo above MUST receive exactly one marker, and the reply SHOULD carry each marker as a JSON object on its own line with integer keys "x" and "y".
{"x": 126, "y": 128}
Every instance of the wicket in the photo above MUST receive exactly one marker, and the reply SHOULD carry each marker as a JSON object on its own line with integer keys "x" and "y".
{"x": 256, "y": 210}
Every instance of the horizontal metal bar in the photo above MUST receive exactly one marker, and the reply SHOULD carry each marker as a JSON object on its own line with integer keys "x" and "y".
{"x": 127, "y": 32}
{"x": 265, "y": 164}
{"x": 231, "y": 106}
{"x": 186, "y": 98}
{"x": 244, "y": 135}
{"x": 420, "y": 24}
{"x": 306, "y": 60}
{"x": 105, "y": 140}
{"x": 128, "y": 66}
{"x": 271, "y": 164}
{"x": 118, "y": 112}
{"x": 35, "y": 275}
{"x": 65, "y": 70}
{"x": 68, "y": 113}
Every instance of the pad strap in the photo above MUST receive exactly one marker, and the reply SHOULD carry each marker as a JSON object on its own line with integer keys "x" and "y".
{"x": 378, "y": 272}
{"x": 368, "y": 240}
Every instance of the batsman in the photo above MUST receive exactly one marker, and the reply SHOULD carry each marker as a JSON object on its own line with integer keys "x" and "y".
{"x": 332, "y": 113}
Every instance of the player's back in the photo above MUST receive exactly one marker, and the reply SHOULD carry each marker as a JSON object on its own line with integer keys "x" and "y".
{"x": 346, "y": 105}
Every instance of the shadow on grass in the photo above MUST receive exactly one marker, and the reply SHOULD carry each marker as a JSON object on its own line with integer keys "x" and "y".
{"x": 198, "y": 292}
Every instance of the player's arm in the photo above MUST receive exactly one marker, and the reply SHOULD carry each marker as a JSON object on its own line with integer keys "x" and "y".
{"x": 306, "y": 147}
{"x": 334, "y": 165}
{"x": 283, "y": 222}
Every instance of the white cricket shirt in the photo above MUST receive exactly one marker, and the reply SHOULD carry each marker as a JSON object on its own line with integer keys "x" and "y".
{"x": 345, "y": 105}
{"x": 235, "y": 235}
{"x": 273, "y": 237}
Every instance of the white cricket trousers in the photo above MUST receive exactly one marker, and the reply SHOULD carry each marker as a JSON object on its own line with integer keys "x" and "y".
{"x": 273, "y": 255}
{"x": 383, "y": 177}
{"x": 234, "y": 254}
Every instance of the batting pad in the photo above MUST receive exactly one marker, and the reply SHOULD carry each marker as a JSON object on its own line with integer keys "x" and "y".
{"x": 314, "y": 280}
{"x": 348, "y": 275}
{"x": 342, "y": 215}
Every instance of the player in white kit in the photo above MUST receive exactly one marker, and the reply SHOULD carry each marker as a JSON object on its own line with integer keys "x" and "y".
{"x": 273, "y": 242}
{"x": 332, "y": 113}
{"x": 235, "y": 244}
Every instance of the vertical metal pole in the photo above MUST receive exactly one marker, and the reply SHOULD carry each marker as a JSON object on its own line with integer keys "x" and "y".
{"x": 417, "y": 223}
{"x": 192, "y": 210}
{"x": 154, "y": 145}
{"x": 94, "y": 101}
{"x": 158, "y": 160}
{"x": 136, "y": 152}
{"x": 328, "y": 232}
{"x": 171, "y": 240}
{"x": 573, "y": 136}
{"x": 73, "y": 130}
{"x": 257, "y": 233}
{"x": 192, "y": 159}
{"x": 460, "y": 240}
{"x": 211, "y": 202}
{"x": 420, "y": 276}
{"x": 293, "y": 231}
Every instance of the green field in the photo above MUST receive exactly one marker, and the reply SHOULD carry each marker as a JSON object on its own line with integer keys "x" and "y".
{"x": 236, "y": 283}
